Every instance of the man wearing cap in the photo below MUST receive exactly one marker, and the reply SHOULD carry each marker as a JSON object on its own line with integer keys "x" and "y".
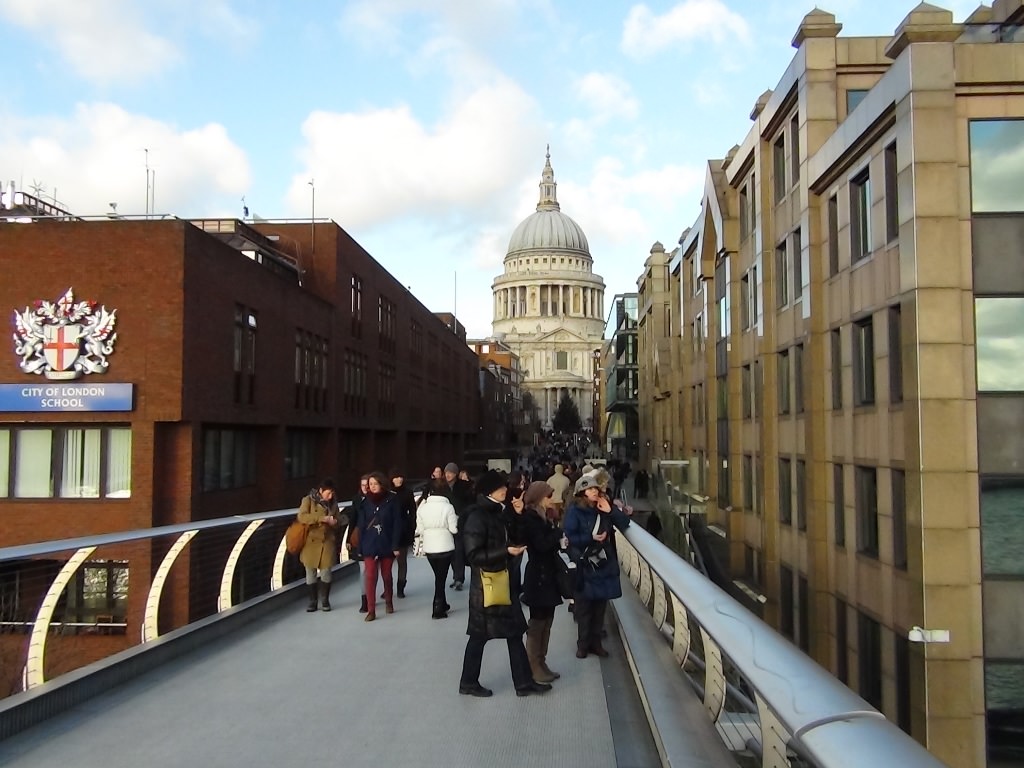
{"x": 461, "y": 496}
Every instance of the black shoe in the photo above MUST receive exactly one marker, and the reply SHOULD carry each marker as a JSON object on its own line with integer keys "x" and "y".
{"x": 477, "y": 690}
{"x": 532, "y": 688}
{"x": 362, "y": 604}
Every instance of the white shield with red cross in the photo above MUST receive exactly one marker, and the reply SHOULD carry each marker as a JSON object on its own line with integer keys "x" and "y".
{"x": 61, "y": 347}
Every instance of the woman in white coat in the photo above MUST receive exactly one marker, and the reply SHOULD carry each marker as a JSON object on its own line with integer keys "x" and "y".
{"x": 437, "y": 523}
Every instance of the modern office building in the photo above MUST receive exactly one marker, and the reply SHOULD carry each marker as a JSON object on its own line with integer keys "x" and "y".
{"x": 549, "y": 304}
{"x": 621, "y": 375}
{"x": 851, "y": 334}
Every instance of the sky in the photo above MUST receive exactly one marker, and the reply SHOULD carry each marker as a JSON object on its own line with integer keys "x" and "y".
{"x": 422, "y": 124}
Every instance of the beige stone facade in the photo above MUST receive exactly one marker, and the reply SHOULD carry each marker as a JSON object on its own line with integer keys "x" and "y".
{"x": 849, "y": 388}
{"x": 549, "y": 305}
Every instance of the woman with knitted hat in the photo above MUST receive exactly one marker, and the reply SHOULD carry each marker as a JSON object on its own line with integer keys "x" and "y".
{"x": 540, "y": 585}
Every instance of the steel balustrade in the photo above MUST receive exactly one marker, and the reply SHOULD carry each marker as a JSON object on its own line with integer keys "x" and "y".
{"x": 804, "y": 715}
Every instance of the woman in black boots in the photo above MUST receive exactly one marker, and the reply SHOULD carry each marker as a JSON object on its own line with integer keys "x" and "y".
{"x": 437, "y": 524}
{"x": 541, "y": 593}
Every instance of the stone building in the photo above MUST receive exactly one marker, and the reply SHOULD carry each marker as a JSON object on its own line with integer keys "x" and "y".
{"x": 548, "y": 305}
{"x": 851, "y": 366}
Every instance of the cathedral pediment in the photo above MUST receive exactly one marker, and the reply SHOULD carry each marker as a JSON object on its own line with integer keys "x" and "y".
{"x": 561, "y": 335}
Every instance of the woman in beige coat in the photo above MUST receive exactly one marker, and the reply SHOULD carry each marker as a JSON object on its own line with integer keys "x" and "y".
{"x": 319, "y": 511}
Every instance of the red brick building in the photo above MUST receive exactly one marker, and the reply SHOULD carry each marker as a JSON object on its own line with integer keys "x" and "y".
{"x": 248, "y": 361}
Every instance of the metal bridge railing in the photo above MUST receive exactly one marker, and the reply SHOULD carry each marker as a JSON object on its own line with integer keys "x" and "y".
{"x": 769, "y": 701}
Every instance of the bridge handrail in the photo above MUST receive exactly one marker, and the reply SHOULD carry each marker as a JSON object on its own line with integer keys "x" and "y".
{"x": 801, "y": 705}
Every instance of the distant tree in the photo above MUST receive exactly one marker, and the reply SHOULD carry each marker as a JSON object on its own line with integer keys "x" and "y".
{"x": 531, "y": 419}
{"x": 567, "y": 416}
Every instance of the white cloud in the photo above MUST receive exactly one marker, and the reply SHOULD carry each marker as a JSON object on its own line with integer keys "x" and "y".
{"x": 100, "y": 40}
{"x": 645, "y": 33}
{"x": 95, "y": 157}
{"x": 607, "y": 96}
{"x": 381, "y": 165}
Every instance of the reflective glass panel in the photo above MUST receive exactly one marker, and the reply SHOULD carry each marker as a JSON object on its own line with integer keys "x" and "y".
{"x": 997, "y": 165}
{"x": 1000, "y": 344}
{"x": 1002, "y": 527}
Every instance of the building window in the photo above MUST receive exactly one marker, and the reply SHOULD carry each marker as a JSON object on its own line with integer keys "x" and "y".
{"x": 781, "y": 276}
{"x": 833, "y": 236}
{"x": 794, "y": 149}
{"x": 300, "y": 453}
{"x": 745, "y": 302}
{"x": 839, "y": 505}
{"x": 785, "y": 492}
{"x": 869, "y": 657}
{"x": 748, "y": 482}
{"x": 229, "y": 459}
{"x": 895, "y": 356}
{"x": 863, "y": 362}
{"x": 66, "y": 462}
{"x": 836, "y": 337}
{"x": 1000, "y": 354}
{"x": 784, "y": 395}
{"x": 899, "y": 519}
{"x": 746, "y": 391}
{"x": 892, "y": 205}
{"x": 386, "y": 324}
{"x": 798, "y": 265}
{"x": 866, "y": 500}
{"x": 798, "y": 378}
{"x": 801, "y": 495}
{"x": 786, "y": 601}
{"x": 744, "y": 214}
{"x": 860, "y": 216}
{"x": 97, "y": 596}
{"x": 755, "y": 304}
{"x": 803, "y": 606}
{"x": 842, "y": 656}
{"x": 779, "y": 167}
{"x": 854, "y": 96}
{"x": 244, "y": 355}
{"x": 356, "y": 307}
{"x": 994, "y": 143}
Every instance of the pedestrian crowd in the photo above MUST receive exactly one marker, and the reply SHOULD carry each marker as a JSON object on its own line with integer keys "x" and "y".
{"x": 553, "y": 511}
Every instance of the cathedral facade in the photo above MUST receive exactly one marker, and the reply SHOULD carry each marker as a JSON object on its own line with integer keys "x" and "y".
{"x": 549, "y": 306}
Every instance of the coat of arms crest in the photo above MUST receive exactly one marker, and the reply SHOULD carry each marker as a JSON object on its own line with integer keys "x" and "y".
{"x": 65, "y": 339}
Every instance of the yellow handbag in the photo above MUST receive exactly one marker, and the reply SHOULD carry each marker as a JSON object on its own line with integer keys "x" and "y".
{"x": 496, "y": 589}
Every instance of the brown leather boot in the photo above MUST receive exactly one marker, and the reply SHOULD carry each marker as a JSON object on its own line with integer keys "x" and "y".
{"x": 544, "y": 638}
{"x": 389, "y": 607}
{"x": 534, "y": 631}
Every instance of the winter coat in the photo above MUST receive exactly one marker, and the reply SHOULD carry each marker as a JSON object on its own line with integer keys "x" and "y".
{"x": 462, "y": 499}
{"x": 486, "y": 545}
{"x": 437, "y": 524}
{"x": 561, "y": 484}
{"x": 321, "y": 548}
{"x": 407, "y": 511}
{"x": 380, "y": 539}
{"x": 542, "y": 538}
{"x": 597, "y": 563}
{"x": 353, "y": 516}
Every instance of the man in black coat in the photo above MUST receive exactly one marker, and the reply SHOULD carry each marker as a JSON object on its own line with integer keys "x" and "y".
{"x": 461, "y": 497}
{"x": 487, "y": 549}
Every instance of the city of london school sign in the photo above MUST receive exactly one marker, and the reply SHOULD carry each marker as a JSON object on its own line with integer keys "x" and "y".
{"x": 63, "y": 341}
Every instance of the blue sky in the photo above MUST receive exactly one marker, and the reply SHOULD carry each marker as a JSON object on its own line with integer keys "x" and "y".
{"x": 423, "y": 123}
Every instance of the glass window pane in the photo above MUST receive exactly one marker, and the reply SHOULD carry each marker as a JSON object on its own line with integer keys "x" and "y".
{"x": 1000, "y": 344}
{"x": 119, "y": 463}
{"x": 33, "y": 480}
{"x": 997, "y": 162}
{"x": 1002, "y": 527}
{"x": 80, "y": 465}
{"x": 5, "y": 462}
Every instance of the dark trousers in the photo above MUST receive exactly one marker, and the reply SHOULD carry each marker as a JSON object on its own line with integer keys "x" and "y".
{"x": 459, "y": 560}
{"x": 401, "y": 559}
{"x": 589, "y": 615}
{"x": 515, "y": 574}
{"x": 517, "y": 661}
{"x": 440, "y": 563}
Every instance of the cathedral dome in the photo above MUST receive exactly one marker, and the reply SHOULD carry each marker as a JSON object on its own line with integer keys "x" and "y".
{"x": 548, "y": 229}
